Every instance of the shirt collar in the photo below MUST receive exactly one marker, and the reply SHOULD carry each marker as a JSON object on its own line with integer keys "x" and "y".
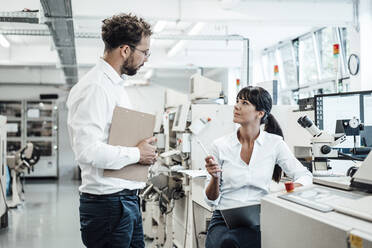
{"x": 259, "y": 139}
{"x": 110, "y": 72}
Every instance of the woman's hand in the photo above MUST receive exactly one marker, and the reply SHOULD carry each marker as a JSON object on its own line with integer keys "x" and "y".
{"x": 212, "y": 167}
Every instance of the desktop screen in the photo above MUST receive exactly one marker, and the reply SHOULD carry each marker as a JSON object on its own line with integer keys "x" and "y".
{"x": 332, "y": 107}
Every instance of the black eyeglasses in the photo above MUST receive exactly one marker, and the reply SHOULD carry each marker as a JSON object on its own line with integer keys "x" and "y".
{"x": 147, "y": 53}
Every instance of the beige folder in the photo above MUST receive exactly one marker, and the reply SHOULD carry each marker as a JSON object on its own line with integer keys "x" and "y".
{"x": 128, "y": 128}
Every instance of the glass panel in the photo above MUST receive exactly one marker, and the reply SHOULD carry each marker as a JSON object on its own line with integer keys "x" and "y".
{"x": 346, "y": 47}
{"x": 272, "y": 62}
{"x": 45, "y": 147}
{"x": 327, "y": 39}
{"x": 40, "y": 109}
{"x": 308, "y": 67}
{"x": 287, "y": 97}
{"x": 11, "y": 109}
{"x": 345, "y": 40}
{"x": 13, "y": 128}
{"x": 269, "y": 61}
{"x": 265, "y": 67}
{"x": 39, "y": 128}
{"x": 289, "y": 67}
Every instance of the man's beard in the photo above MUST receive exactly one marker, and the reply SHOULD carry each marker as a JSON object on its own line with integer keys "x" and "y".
{"x": 127, "y": 68}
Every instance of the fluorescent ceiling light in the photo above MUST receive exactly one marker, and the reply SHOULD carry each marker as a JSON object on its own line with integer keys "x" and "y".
{"x": 3, "y": 41}
{"x": 196, "y": 29}
{"x": 176, "y": 48}
{"x": 159, "y": 26}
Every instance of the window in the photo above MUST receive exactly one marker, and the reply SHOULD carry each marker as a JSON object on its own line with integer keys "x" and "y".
{"x": 308, "y": 66}
{"x": 268, "y": 62}
{"x": 272, "y": 62}
{"x": 345, "y": 46}
{"x": 289, "y": 68}
{"x": 327, "y": 39}
{"x": 265, "y": 66}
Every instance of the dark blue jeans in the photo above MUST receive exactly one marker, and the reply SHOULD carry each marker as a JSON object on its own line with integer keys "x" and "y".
{"x": 220, "y": 236}
{"x": 111, "y": 221}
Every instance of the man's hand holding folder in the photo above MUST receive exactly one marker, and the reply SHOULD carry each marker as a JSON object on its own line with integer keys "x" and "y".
{"x": 131, "y": 128}
{"x": 147, "y": 150}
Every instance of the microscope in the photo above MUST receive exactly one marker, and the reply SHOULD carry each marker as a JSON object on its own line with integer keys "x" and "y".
{"x": 322, "y": 144}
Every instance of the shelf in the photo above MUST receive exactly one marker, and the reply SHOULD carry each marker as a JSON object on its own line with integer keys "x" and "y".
{"x": 46, "y": 139}
{"x": 40, "y": 119}
{"x": 45, "y": 123}
{"x": 14, "y": 118}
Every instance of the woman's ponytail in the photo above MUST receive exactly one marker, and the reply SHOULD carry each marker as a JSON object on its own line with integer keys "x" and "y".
{"x": 261, "y": 99}
{"x": 272, "y": 126}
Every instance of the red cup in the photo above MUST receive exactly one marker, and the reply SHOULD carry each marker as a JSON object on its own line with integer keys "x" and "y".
{"x": 289, "y": 186}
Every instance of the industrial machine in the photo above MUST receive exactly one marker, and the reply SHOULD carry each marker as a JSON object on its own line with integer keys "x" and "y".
{"x": 204, "y": 88}
{"x": 173, "y": 208}
{"x": 19, "y": 162}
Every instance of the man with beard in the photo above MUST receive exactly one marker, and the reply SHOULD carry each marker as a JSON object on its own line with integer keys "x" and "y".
{"x": 109, "y": 207}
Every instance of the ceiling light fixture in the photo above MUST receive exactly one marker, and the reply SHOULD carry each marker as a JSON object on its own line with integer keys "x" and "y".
{"x": 196, "y": 29}
{"x": 159, "y": 26}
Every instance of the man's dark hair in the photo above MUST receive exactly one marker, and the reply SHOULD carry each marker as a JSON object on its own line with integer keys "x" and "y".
{"x": 124, "y": 29}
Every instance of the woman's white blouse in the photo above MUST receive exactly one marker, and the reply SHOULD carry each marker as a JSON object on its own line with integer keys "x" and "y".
{"x": 243, "y": 184}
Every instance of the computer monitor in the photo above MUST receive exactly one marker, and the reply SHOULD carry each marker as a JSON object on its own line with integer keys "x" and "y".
{"x": 366, "y": 136}
{"x": 332, "y": 107}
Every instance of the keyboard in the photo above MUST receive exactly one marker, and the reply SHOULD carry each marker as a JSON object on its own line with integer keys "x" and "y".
{"x": 360, "y": 208}
{"x": 327, "y": 174}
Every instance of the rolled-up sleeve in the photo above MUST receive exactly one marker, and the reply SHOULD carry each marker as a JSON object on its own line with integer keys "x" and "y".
{"x": 291, "y": 166}
{"x": 215, "y": 154}
{"x": 87, "y": 120}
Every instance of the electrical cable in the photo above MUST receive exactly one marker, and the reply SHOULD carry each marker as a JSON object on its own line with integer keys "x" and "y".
{"x": 350, "y": 157}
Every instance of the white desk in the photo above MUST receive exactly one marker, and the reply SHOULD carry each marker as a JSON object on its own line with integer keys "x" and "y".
{"x": 289, "y": 225}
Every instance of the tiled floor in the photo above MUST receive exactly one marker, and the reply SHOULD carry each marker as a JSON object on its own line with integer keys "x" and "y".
{"x": 49, "y": 217}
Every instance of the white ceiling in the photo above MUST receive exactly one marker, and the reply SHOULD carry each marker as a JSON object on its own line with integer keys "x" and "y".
{"x": 264, "y": 22}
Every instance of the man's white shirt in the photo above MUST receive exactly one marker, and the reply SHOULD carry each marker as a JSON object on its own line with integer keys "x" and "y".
{"x": 244, "y": 184}
{"x": 91, "y": 103}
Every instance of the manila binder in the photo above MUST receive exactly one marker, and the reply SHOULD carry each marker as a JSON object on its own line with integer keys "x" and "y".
{"x": 128, "y": 128}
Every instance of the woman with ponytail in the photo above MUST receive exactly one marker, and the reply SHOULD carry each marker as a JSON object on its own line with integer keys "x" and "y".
{"x": 243, "y": 164}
